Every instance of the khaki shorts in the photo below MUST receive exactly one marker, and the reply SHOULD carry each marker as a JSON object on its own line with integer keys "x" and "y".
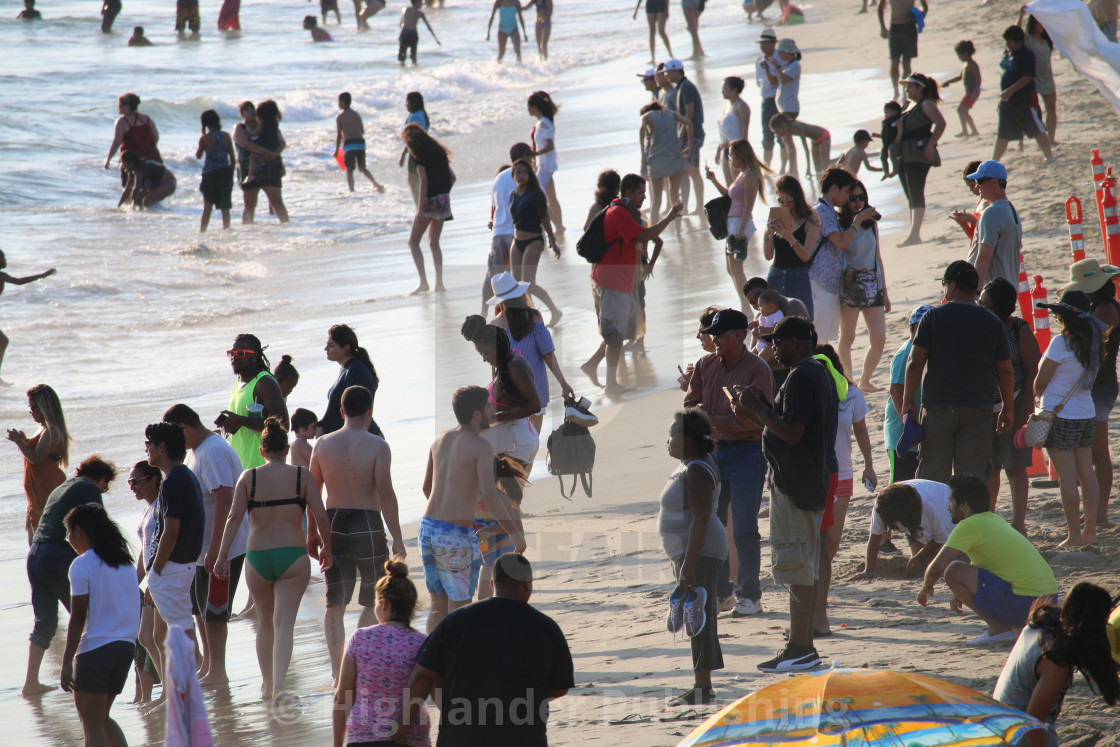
{"x": 795, "y": 541}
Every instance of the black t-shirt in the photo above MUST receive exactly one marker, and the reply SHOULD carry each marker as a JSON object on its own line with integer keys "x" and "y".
{"x": 354, "y": 373}
{"x": 528, "y": 208}
{"x": 74, "y": 492}
{"x": 964, "y": 342}
{"x": 808, "y": 396}
{"x": 180, "y": 497}
{"x": 1015, "y": 65}
{"x": 499, "y": 650}
{"x": 439, "y": 176}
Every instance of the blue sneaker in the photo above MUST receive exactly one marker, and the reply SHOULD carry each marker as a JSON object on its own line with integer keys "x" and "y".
{"x": 695, "y": 612}
{"x": 676, "y": 610}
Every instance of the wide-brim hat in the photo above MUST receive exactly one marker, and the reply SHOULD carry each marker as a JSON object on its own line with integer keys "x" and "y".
{"x": 1072, "y": 305}
{"x": 1089, "y": 276}
{"x": 505, "y": 286}
{"x": 767, "y": 35}
{"x": 788, "y": 46}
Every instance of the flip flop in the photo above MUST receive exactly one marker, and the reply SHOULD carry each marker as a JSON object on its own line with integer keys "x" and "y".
{"x": 988, "y": 639}
{"x": 690, "y": 715}
{"x": 632, "y": 718}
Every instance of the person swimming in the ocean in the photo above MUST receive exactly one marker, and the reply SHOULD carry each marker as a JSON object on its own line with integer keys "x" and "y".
{"x": 29, "y": 13}
{"x": 138, "y": 39}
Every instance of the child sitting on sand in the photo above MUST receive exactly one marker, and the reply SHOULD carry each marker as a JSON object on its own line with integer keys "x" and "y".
{"x": 970, "y": 74}
{"x": 856, "y": 156}
{"x": 317, "y": 34}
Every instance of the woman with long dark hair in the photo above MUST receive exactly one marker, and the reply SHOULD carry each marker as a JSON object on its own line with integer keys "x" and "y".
{"x": 528, "y": 207}
{"x": 543, "y": 135}
{"x": 1064, "y": 384}
{"x": 144, "y": 481}
{"x": 414, "y": 103}
{"x": 606, "y": 191}
{"x": 1056, "y": 643}
{"x": 45, "y": 453}
{"x": 527, "y": 335}
{"x": 920, "y": 127}
{"x": 863, "y": 290}
{"x": 357, "y": 370}
{"x": 513, "y": 391}
{"x": 266, "y": 166}
{"x": 104, "y": 621}
{"x": 433, "y": 167}
{"x": 788, "y": 242}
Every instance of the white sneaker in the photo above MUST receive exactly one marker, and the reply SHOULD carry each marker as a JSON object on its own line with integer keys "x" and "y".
{"x": 727, "y": 603}
{"x": 746, "y": 608}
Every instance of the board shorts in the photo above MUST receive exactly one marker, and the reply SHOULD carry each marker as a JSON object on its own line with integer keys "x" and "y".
{"x": 995, "y": 600}
{"x": 217, "y": 187}
{"x": 104, "y": 670}
{"x": 969, "y": 100}
{"x": 354, "y": 153}
{"x": 186, "y": 14}
{"x": 902, "y": 40}
{"x": 618, "y": 315}
{"x": 491, "y": 537}
{"x": 436, "y": 208}
{"x": 212, "y": 597}
{"x": 451, "y": 559}
{"x": 1019, "y": 119}
{"x": 357, "y": 547}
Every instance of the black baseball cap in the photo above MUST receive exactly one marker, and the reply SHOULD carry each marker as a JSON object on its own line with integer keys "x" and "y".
{"x": 791, "y": 328}
{"x": 961, "y": 272}
{"x": 726, "y": 320}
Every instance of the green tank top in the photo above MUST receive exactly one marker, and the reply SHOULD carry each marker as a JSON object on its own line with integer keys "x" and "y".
{"x": 246, "y": 442}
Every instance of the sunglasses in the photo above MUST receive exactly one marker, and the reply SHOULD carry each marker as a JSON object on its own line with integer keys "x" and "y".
{"x": 853, "y": 198}
{"x": 239, "y": 354}
{"x": 137, "y": 480}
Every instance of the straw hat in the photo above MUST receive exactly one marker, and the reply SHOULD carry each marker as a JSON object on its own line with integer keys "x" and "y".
{"x": 1089, "y": 276}
{"x": 505, "y": 286}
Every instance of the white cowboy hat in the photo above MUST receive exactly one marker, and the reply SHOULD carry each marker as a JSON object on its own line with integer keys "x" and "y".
{"x": 505, "y": 286}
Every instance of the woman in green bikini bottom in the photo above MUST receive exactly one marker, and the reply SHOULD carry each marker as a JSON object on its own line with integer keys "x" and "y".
{"x": 278, "y": 567}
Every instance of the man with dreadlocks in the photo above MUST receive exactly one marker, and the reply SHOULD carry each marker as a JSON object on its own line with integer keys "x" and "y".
{"x": 255, "y": 385}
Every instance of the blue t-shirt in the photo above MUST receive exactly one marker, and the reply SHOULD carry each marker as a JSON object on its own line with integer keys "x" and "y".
{"x": 354, "y": 373}
{"x": 533, "y": 348}
{"x": 419, "y": 117}
{"x": 1014, "y": 66}
{"x": 892, "y": 422}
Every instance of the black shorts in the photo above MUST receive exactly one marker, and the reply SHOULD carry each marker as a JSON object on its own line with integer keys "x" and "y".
{"x": 214, "y": 596}
{"x": 902, "y": 41}
{"x": 104, "y": 670}
{"x": 653, "y": 7}
{"x": 217, "y": 187}
{"x": 1019, "y": 119}
{"x": 357, "y": 547}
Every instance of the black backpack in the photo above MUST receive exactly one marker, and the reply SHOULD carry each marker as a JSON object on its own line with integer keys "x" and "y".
{"x": 593, "y": 245}
{"x": 571, "y": 451}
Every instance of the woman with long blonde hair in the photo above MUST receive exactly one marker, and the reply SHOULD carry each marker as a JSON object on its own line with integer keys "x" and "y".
{"x": 743, "y": 191}
{"x": 45, "y": 453}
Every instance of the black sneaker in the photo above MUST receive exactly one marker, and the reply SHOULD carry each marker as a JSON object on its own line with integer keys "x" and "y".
{"x": 792, "y": 658}
{"x": 887, "y": 549}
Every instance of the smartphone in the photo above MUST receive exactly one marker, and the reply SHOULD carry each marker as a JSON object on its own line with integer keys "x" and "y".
{"x": 680, "y": 370}
{"x": 732, "y": 397}
{"x": 220, "y": 419}
{"x": 867, "y": 484}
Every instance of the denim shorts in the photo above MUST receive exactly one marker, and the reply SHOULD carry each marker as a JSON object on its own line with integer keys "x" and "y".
{"x": 1104, "y": 399}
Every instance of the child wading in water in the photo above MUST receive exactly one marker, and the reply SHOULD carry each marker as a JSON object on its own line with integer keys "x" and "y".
{"x": 410, "y": 16}
{"x": 970, "y": 74}
{"x": 217, "y": 169}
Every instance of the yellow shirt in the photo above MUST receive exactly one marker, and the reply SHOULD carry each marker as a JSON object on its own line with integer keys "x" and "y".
{"x": 1114, "y": 634}
{"x": 992, "y": 544}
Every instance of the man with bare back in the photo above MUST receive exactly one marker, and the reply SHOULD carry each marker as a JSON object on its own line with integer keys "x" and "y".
{"x": 902, "y": 35}
{"x": 352, "y": 466}
{"x": 460, "y": 471}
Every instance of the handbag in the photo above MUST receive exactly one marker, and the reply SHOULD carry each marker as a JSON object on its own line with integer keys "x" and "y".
{"x": 859, "y": 288}
{"x": 716, "y": 210}
{"x": 1038, "y": 425}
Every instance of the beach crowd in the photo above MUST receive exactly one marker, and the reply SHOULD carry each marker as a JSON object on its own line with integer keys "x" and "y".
{"x": 770, "y": 407}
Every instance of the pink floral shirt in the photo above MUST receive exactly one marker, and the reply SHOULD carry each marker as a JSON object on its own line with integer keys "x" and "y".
{"x": 383, "y": 656}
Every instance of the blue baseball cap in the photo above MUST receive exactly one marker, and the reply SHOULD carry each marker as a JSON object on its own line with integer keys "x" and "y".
{"x": 917, "y": 314}
{"x": 993, "y": 169}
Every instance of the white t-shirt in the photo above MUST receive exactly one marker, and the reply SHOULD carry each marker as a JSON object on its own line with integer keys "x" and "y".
{"x": 1066, "y": 376}
{"x": 852, "y": 410}
{"x": 545, "y": 131}
{"x": 216, "y": 465}
{"x": 147, "y": 531}
{"x": 767, "y": 89}
{"x": 937, "y": 523}
{"x": 499, "y": 200}
{"x": 788, "y": 92}
{"x": 114, "y": 600}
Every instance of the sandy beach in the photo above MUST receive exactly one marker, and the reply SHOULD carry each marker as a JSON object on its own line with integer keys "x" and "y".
{"x": 601, "y": 573}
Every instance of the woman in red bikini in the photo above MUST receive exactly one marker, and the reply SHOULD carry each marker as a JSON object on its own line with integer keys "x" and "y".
{"x": 134, "y": 132}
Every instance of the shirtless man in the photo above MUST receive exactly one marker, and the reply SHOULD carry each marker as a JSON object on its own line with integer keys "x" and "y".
{"x": 350, "y": 136}
{"x": 460, "y": 471}
{"x": 5, "y": 278}
{"x": 352, "y": 466}
{"x": 409, "y": 36}
{"x": 902, "y": 35}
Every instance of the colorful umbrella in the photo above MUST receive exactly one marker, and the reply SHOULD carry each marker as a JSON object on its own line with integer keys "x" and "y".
{"x": 863, "y": 708}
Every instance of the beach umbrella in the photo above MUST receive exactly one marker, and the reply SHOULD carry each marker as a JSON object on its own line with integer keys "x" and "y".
{"x": 863, "y": 708}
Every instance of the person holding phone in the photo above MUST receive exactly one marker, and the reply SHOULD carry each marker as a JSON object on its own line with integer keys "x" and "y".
{"x": 792, "y": 233}
{"x": 740, "y": 226}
